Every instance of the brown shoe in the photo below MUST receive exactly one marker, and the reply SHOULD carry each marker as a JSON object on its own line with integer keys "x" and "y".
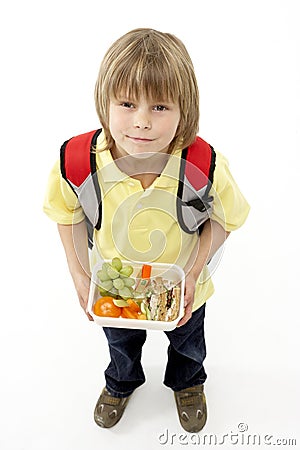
{"x": 191, "y": 407}
{"x": 109, "y": 409}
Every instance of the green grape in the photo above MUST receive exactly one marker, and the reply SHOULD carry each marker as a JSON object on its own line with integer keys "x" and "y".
{"x": 113, "y": 292}
{"x": 112, "y": 273}
{"x": 115, "y": 280}
{"x": 118, "y": 283}
{"x": 126, "y": 292}
{"x": 129, "y": 282}
{"x": 103, "y": 292}
{"x": 107, "y": 285}
{"x": 126, "y": 271}
{"x": 103, "y": 276}
{"x": 116, "y": 264}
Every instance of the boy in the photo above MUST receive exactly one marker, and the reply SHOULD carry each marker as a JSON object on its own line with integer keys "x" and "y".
{"x": 148, "y": 104}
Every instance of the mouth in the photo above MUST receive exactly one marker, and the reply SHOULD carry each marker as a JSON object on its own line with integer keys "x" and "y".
{"x": 139, "y": 139}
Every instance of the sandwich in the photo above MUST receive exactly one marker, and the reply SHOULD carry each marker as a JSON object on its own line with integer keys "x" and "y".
{"x": 160, "y": 299}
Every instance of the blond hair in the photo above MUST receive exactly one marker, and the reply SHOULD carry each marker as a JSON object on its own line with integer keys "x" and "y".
{"x": 153, "y": 64}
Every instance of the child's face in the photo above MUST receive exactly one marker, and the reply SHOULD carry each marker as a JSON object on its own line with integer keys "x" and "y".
{"x": 142, "y": 126}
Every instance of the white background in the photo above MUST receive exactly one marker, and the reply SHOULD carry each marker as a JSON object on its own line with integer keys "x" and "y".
{"x": 246, "y": 56}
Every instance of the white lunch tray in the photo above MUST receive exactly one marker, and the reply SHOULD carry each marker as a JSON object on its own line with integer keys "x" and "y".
{"x": 170, "y": 272}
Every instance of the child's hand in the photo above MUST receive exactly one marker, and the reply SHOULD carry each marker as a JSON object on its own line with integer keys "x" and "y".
{"x": 190, "y": 283}
{"x": 82, "y": 286}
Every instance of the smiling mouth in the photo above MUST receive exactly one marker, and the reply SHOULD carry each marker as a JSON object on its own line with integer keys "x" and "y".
{"x": 139, "y": 139}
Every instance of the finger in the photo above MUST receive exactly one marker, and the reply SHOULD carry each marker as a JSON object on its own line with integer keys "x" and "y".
{"x": 187, "y": 315}
{"x": 89, "y": 317}
{"x": 188, "y": 299}
{"x": 184, "y": 320}
{"x": 84, "y": 306}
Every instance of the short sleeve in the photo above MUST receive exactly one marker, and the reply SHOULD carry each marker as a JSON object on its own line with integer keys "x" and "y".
{"x": 61, "y": 203}
{"x": 230, "y": 206}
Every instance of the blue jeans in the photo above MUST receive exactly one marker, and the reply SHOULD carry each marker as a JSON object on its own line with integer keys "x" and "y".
{"x": 186, "y": 353}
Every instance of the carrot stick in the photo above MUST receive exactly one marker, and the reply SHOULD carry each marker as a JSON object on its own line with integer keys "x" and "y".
{"x": 146, "y": 271}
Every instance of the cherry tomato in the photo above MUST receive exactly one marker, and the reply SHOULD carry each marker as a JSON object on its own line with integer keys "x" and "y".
{"x": 105, "y": 307}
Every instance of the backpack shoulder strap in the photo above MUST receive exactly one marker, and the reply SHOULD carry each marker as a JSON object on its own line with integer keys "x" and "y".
{"x": 201, "y": 160}
{"x": 195, "y": 180}
{"x": 78, "y": 168}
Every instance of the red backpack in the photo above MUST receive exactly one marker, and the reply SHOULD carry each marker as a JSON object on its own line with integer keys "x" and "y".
{"x": 195, "y": 178}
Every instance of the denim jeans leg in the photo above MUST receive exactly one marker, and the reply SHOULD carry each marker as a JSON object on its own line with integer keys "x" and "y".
{"x": 186, "y": 353}
{"x": 124, "y": 372}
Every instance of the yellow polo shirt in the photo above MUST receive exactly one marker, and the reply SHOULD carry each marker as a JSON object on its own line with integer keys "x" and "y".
{"x": 141, "y": 224}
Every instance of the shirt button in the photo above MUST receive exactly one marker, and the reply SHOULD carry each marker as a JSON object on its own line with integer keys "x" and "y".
{"x": 130, "y": 183}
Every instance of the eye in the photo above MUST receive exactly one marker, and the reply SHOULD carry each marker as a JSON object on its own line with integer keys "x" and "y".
{"x": 160, "y": 108}
{"x": 127, "y": 105}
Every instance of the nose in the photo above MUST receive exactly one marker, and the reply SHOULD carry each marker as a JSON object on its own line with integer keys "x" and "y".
{"x": 142, "y": 120}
